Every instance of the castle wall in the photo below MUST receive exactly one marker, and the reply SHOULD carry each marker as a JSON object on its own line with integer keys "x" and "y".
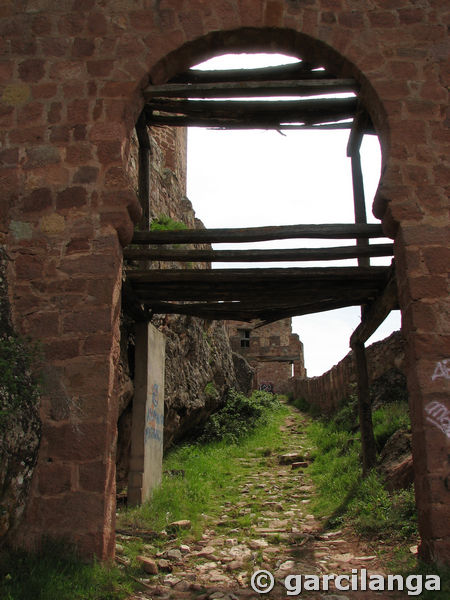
{"x": 272, "y": 350}
{"x": 72, "y": 75}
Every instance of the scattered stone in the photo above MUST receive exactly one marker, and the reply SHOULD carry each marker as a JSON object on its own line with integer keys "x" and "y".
{"x": 291, "y": 457}
{"x": 174, "y": 554}
{"x": 148, "y": 564}
{"x": 258, "y": 544}
{"x": 299, "y": 465}
{"x": 183, "y": 524}
{"x": 184, "y": 549}
{"x": 171, "y": 580}
{"x": 119, "y": 548}
{"x": 164, "y": 565}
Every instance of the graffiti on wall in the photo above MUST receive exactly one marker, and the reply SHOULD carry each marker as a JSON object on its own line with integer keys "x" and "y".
{"x": 442, "y": 370}
{"x": 154, "y": 418}
{"x": 439, "y": 415}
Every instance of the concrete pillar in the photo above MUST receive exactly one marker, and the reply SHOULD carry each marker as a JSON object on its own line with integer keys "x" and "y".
{"x": 148, "y": 414}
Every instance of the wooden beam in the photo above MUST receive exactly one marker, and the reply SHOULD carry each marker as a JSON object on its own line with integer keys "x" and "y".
{"x": 253, "y": 111}
{"x": 249, "y": 277}
{"x": 258, "y": 234}
{"x": 361, "y": 124}
{"x": 299, "y": 70}
{"x": 376, "y": 313}
{"x": 333, "y": 122}
{"x": 250, "y": 89}
{"x": 303, "y": 254}
{"x": 144, "y": 169}
{"x": 369, "y": 455}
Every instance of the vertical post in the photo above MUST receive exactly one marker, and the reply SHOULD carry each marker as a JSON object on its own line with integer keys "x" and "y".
{"x": 144, "y": 170}
{"x": 148, "y": 414}
{"x": 365, "y": 410}
{"x": 359, "y": 201}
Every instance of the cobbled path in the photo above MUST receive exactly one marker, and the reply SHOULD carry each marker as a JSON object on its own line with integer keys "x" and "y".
{"x": 286, "y": 539}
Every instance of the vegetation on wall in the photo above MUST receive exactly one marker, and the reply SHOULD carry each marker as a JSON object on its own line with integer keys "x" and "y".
{"x": 165, "y": 223}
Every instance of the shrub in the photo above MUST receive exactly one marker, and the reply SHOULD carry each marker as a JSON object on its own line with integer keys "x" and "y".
{"x": 166, "y": 223}
{"x": 239, "y": 416}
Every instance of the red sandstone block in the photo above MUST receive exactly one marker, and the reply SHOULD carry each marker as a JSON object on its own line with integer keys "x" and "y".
{"x": 102, "y": 132}
{"x": 88, "y": 265}
{"x": 101, "y": 290}
{"x": 383, "y": 18}
{"x": 60, "y": 133}
{"x": 23, "y": 47}
{"x": 29, "y": 266}
{"x": 72, "y": 23}
{"x": 328, "y": 17}
{"x": 32, "y": 70}
{"x": 87, "y": 321}
{"x": 99, "y": 343}
{"x": 43, "y": 90}
{"x": 52, "y": 46}
{"x": 27, "y": 135}
{"x": 41, "y": 25}
{"x": 38, "y": 201}
{"x": 42, "y": 325}
{"x": 82, "y": 48}
{"x": 142, "y": 20}
{"x": 68, "y": 69}
{"x": 425, "y": 235}
{"x": 428, "y": 287}
{"x": 78, "y": 154}
{"x": 73, "y": 197}
{"x": 86, "y": 175}
{"x": 78, "y": 111}
{"x": 109, "y": 152}
{"x": 54, "y": 478}
{"x": 61, "y": 349}
{"x": 403, "y": 69}
{"x": 97, "y": 23}
{"x": 73, "y": 442}
{"x": 100, "y": 68}
{"x": 351, "y": 18}
{"x": 332, "y": 4}
{"x": 273, "y": 13}
{"x": 192, "y": 23}
{"x": 54, "y": 114}
{"x": 79, "y": 133}
{"x": 40, "y": 156}
{"x": 9, "y": 156}
{"x": 437, "y": 259}
{"x": 92, "y": 476}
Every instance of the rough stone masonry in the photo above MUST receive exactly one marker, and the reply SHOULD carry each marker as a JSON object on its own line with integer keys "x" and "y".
{"x": 72, "y": 75}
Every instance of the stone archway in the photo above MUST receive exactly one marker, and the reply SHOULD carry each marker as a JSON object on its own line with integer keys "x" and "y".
{"x": 72, "y": 96}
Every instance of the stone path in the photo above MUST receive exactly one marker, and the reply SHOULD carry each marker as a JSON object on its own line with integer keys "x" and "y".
{"x": 282, "y": 537}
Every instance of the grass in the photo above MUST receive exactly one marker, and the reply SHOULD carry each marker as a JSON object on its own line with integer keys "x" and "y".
{"x": 343, "y": 495}
{"x": 55, "y": 573}
{"x": 205, "y": 475}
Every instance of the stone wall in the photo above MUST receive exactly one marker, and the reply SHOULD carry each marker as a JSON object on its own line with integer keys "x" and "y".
{"x": 72, "y": 75}
{"x": 273, "y": 351}
{"x": 327, "y": 391}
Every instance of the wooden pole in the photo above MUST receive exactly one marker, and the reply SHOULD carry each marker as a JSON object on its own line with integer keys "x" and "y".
{"x": 369, "y": 455}
{"x": 144, "y": 170}
{"x": 258, "y": 234}
{"x": 295, "y": 254}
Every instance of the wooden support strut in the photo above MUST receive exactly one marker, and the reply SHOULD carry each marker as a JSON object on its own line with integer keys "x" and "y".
{"x": 304, "y": 254}
{"x": 144, "y": 169}
{"x": 372, "y": 318}
{"x": 250, "y": 89}
{"x": 259, "y": 234}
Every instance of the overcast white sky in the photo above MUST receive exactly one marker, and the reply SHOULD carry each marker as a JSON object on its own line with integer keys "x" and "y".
{"x": 254, "y": 178}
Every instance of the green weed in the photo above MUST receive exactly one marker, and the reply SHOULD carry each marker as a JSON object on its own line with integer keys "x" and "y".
{"x": 211, "y": 472}
{"x": 56, "y": 573}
